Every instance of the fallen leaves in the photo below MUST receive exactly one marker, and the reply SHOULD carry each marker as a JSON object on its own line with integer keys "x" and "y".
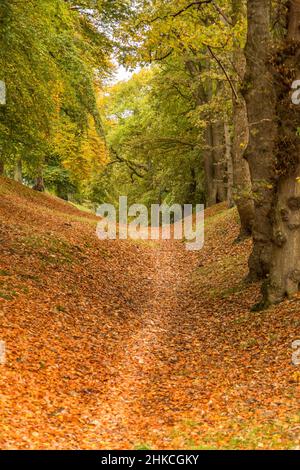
{"x": 132, "y": 345}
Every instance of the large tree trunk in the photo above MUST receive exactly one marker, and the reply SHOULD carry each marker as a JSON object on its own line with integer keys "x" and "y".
{"x": 242, "y": 188}
{"x": 285, "y": 270}
{"x": 260, "y": 98}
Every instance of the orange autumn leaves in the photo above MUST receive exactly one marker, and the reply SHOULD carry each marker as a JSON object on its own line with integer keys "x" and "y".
{"x": 136, "y": 344}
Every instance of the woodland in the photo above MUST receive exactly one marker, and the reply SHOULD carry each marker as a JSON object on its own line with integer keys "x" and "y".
{"x": 166, "y": 102}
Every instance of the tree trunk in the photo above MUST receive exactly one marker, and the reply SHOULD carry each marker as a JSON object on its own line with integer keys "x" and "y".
{"x": 18, "y": 172}
{"x": 219, "y": 161}
{"x": 39, "y": 184}
{"x": 285, "y": 269}
{"x": 61, "y": 191}
{"x": 229, "y": 164}
{"x": 260, "y": 98}
{"x": 214, "y": 157}
{"x": 1, "y": 168}
{"x": 208, "y": 157}
{"x": 242, "y": 188}
{"x": 193, "y": 187}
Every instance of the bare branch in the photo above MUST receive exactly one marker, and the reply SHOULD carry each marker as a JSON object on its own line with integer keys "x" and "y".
{"x": 224, "y": 70}
{"x": 221, "y": 12}
{"x": 133, "y": 167}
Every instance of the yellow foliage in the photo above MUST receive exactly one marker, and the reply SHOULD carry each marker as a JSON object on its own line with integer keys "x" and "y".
{"x": 83, "y": 155}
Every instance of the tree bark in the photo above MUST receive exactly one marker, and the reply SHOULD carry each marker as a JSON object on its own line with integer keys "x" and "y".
{"x": 62, "y": 192}
{"x": 18, "y": 172}
{"x": 214, "y": 157}
{"x": 229, "y": 164}
{"x": 242, "y": 188}
{"x": 258, "y": 90}
{"x": 39, "y": 183}
{"x": 219, "y": 162}
{"x": 285, "y": 269}
{"x": 208, "y": 158}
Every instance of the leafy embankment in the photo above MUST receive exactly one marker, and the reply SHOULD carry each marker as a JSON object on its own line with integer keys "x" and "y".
{"x": 136, "y": 344}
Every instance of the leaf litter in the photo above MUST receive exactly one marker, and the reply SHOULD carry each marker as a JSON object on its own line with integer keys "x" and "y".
{"x": 127, "y": 344}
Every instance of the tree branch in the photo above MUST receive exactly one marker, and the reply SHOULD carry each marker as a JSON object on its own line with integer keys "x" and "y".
{"x": 224, "y": 70}
{"x": 130, "y": 164}
{"x": 183, "y": 10}
{"x": 221, "y": 12}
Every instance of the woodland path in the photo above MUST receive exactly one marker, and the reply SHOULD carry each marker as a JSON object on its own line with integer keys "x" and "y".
{"x": 152, "y": 368}
{"x": 190, "y": 375}
{"x": 129, "y": 345}
{"x": 195, "y": 374}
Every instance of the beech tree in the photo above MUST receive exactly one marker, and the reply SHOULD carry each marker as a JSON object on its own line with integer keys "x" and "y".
{"x": 285, "y": 220}
{"x": 260, "y": 153}
{"x": 54, "y": 58}
{"x": 273, "y": 69}
{"x": 242, "y": 187}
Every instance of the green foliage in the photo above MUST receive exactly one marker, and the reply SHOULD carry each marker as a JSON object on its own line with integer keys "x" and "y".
{"x": 156, "y": 122}
{"x": 53, "y": 59}
{"x": 56, "y": 58}
{"x": 155, "y": 155}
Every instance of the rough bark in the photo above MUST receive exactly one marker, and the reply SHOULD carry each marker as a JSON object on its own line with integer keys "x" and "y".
{"x": 1, "y": 168}
{"x": 260, "y": 98}
{"x": 285, "y": 269}
{"x": 242, "y": 188}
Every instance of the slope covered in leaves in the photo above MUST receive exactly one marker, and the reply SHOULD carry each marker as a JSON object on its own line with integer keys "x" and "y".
{"x": 128, "y": 344}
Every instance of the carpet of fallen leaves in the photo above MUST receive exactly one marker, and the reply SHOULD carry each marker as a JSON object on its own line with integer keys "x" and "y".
{"x": 137, "y": 344}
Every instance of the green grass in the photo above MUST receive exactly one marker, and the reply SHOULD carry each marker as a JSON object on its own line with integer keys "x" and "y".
{"x": 241, "y": 434}
{"x": 82, "y": 207}
{"x": 3, "y": 272}
{"x": 10, "y": 295}
{"x": 49, "y": 249}
{"x": 142, "y": 446}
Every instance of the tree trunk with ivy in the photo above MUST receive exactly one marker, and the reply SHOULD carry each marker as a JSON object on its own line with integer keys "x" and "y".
{"x": 260, "y": 98}
{"x": 285, "y": 268}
